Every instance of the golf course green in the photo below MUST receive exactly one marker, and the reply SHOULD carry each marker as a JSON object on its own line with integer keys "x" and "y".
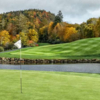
{"x": 49, "y": 85}
{"x": 80, "y": 49}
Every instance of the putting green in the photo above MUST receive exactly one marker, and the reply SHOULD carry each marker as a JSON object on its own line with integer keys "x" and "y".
{"x": 49, "y": 86}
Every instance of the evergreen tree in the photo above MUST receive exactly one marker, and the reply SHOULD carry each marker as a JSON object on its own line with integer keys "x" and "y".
{"x": 58, "y": 18}
{"x": 60, "y": 15}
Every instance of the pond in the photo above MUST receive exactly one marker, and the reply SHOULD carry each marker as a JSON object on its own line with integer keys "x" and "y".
{"x": 82, "y": 68}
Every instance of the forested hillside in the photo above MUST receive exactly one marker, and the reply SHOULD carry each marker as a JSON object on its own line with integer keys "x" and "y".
{"x": 23, "y": 23}
{"x": 17, "y": 21}
{"x": 35, "y": 26}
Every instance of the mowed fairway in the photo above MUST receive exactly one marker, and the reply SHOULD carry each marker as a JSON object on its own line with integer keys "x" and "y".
{"x": 85, "y": 48}
{"x": 49, "y": 86}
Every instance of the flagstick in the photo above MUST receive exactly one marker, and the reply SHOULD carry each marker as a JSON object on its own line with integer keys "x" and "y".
{"x": 20, "y": 71}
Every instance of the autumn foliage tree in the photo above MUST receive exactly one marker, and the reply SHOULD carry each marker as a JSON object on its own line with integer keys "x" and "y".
{"x": 97, "y": 29}
{"x": 4, "y": 37}
{"x": 53, "y": 32}
{"x": 24, "y": 38}
{"x": 43, "y": 34}
{"x": 89, "y": 31}
{"x": 33, "y": 35}
{"x": 62, "y": 32}
{"x": 70, "y": 34}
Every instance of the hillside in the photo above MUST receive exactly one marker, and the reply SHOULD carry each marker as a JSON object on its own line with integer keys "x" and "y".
{"x": 85, "y": 48}
{"x": 17, "y": 21}
{"x": 35, "y": 26}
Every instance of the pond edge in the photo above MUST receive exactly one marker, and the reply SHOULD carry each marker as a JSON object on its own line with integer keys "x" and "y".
{"x": 4, "y": 60}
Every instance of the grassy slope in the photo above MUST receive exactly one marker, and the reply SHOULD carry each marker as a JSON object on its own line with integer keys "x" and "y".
{"x": 49, "y": 86}
{"x": 85, "y": 48}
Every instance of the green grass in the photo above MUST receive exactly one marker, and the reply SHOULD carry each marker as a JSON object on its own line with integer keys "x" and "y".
{"x": 49, "y": 86}
{"x": 42, "y": 44}
{"x": 85, "y": 48}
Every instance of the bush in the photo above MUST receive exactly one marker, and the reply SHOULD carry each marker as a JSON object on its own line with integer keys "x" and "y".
{"x": 14, "y": 47}
{"x": 8, "y": 46}
{"x": 55, "y": 41}
{"x": 1, "y": 49}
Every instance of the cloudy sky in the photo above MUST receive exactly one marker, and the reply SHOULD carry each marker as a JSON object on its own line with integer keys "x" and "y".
{"x": 74, "y": 11}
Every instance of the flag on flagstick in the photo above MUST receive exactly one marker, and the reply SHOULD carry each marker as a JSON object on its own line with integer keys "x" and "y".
{"x": 18, "y": 45}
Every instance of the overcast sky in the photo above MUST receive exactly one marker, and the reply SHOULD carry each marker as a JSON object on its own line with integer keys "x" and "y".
{"x": 74, "y": 11}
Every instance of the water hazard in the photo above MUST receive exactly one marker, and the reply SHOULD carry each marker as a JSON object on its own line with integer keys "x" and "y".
{"x": 84, "y": 68}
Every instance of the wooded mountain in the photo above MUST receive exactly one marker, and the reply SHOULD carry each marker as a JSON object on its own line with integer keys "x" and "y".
{"x": 18, "y": 21}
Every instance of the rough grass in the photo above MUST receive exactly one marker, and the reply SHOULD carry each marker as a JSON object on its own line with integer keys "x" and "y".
{"x": 49, "y": 86}
{"x": 85, "y": 48}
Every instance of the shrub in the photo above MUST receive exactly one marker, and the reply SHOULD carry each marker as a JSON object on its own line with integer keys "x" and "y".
{"x": 1, "y": 49}
{"x": 36, "y": 45}
{"x": 30, "y": 43}
{"x": 8, "y": 46}
{"x": 14, "y": 47}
